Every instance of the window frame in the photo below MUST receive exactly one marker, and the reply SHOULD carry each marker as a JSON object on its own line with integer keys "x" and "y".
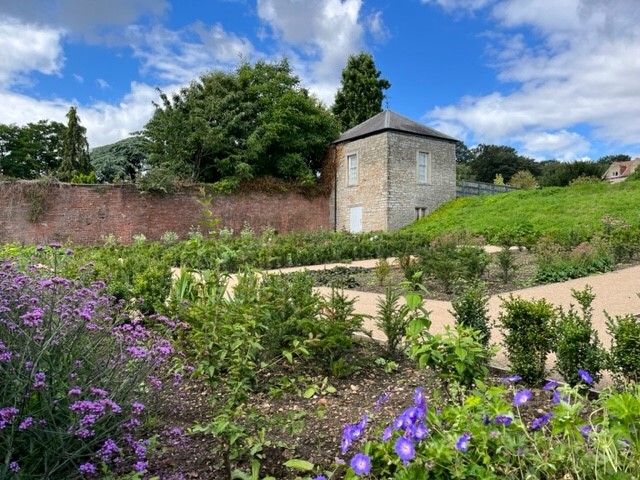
{"x": 427, "y": 164}
{"x": 352, "y": 180}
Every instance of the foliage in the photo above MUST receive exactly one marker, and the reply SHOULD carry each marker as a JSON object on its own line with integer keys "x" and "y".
{"x": 361, "y": 91}
{"x": 576, "y": 343}
{"x": 382, "y": 270}
{"x": 498, "y": 179}
{"x": 470, "y": 308}
{"x": 157, "y": 180}
{"x": 254, "y": 121}
{"x": 32, "y": 150}
{"x": 624, "y": 355}
{"x": 584, "y": 179}
{"x": 137, "y": 271}
{"x": 463, "y": 154}
{"x": 557, "y": 264}
{"x": 392, "y": 319}
{"x": 528, "y": 335}
{"x": 622, "y": 238}
{"x": 555, "y": 212}
{"x": 561, "y": 174}
{"x": 457, "y": 356}
{"x": 83, "y": 178}
{"x": 506, "y": 259}
{"x": 336, "y": 277}
{"x": 523, "y": 179}
{"x": 447, "y": 262}
{"x": 491, "y": 160}
{"x": 487, "y": 436}
{"x": 75, "y": 372}
{"x": 75, "y": 149}
{"x": 120, "y": 161}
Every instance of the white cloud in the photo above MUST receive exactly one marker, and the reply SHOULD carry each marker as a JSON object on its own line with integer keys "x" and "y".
{"x": 377, "y": 27}
{"x": 317, "y": 36}
{"x": 26, "y": 48}
{"x": 179, "y": 56}
{"x": 468, "y": 5}
{"x": 102, "y": 83}
{"x": 78, "y": 78}
{"x": 569, "y": 71}
{"x": 541, "y": 145}
{"x": 88, "y": 18}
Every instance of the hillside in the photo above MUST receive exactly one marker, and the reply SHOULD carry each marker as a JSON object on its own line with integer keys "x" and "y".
{"x": 558, "y": 212}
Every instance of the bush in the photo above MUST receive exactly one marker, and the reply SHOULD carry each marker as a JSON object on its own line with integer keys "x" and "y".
{"x": 523, "y": 179}
{"x": 576, "y": 345}
{"x": 392, "y": 319}
{"x": 446, "y": 262}
{"x": 624, "y": 355}
{"x": 556, "y": 264}
{"x": 527, "y": 336}
{"x": 470, "y": 309}
{"x": 75, "y": 371}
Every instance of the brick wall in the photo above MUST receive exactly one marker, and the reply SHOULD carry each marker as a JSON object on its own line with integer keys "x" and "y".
{"x": 83, "y": 214}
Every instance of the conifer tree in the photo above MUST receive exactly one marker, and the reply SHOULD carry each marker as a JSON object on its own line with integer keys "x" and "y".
{"x": 75, "y": 148}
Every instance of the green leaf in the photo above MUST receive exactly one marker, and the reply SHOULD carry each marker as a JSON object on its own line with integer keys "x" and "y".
{"x": 331, "y": 389}
{"x": 299, "y": 464}
{"x": 309, "y": 392}
{"x": 287, "y": 354}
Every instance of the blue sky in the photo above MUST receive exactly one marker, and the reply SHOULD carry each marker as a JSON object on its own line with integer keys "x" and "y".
{"x": 553, "y": 78}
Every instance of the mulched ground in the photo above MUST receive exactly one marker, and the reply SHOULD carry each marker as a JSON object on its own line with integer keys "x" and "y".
{"x": 323, "y": 418}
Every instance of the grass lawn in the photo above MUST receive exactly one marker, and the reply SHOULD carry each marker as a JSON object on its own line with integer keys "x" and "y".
{"x": 558, "y": 212}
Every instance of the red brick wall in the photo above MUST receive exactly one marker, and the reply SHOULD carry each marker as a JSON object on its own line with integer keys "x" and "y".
{"x": 83, "y": 214}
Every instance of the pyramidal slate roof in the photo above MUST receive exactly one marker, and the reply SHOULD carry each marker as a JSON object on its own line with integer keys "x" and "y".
{"x": 389, "y": 120}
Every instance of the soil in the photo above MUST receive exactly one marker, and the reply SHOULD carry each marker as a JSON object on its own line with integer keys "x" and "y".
{"x": 321, "y": 418}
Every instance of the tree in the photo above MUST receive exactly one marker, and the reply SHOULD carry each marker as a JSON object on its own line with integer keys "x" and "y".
{"x": 561, "y": 174}
{"x": 75, "y": 149}
{"x": 254, "y": 121}
{"x": 463, "y": 154}
{"x": 119, "y": 161}
{"x": 32, "y": 150}
{"x": 491, "y": 160}
{"x": 361, "y": 92}
{"x": 523, "y": 179}
{"x": 609, "y": 159}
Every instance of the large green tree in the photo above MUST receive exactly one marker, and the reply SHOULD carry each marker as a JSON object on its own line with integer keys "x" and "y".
{"x": 361, "y": 91}
{"x": 491, "y": 160}
{"x": 560, "y": 174}
{"x": 75, "y": 148}
{"x": 119, "y": 161}
{"x": 257, "y": 120}
{"x": 32, "y": 150}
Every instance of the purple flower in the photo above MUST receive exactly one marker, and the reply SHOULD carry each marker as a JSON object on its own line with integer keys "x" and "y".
{"x": 405, "y": 449}
{"x": 386, "y": 433}
{"x": 39, "y": 383}
{"x": 137, "y": 408}
{"x": 463, "y": 442}
{"x": 521, "y": 397}
{"x": 540, "y": 421}
{"x": 585, "y": 377}
{"x": 503, "y": 420}
{"x": 75, "y": 391}
{"x": 420, "y": 431}
{"x": 26, "y": 423}
{"x": 87, "y": 468}
{"x": 558, "y": 397}
{"x": 14, "y": 467}
{"x": 140, "y": 466}
{"x": 320, "y": 477}
{"x": 552, "y": 384}
{"x": 585, "y": 431}
{"x": 99, "y": 392}
{"x": 381, "y": 399}
{"x": 419, "y": 400}
{"x": 511, "y": 379}
{"x": 361, "y": 464}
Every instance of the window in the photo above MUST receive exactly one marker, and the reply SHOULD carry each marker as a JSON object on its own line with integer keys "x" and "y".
{"x": 352, "y": 165}
{"x": 423, "y": 167}
{"x": 420, "y": 212}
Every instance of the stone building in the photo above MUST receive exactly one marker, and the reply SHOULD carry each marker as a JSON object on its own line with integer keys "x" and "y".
{"x": 390, "y": 171}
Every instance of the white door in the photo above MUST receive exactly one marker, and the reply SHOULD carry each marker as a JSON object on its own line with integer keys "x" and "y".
{"x": 355, "y": 219}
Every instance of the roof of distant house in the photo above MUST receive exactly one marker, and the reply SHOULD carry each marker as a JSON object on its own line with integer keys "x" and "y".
{"x": 389, "y": 120}
{"x": 626, "y": 168}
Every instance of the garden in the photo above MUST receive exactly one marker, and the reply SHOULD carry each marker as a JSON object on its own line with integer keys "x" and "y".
{"x": 132, "y": 361}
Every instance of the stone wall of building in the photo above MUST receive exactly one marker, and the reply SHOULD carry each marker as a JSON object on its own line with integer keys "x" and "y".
{"x": 370, "y": 192}
{"x": 409, "y": 199}
{"x": 84, "y": 214}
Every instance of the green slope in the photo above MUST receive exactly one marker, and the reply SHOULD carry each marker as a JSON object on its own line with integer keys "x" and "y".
{"x": 555, "y": 212}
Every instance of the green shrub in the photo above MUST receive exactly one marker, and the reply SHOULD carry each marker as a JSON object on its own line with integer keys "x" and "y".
{"x": 624, "y": 355}
{"x": 470, "y": 309}
{"x": 576, "y": 344}
{"x": 382, "y": 270}
{"x": 556, "y": 264}
{"x": 506, "y": 260}
{"x": 527, "y": 336}
{"x": 392, "y": 319}
{"x": 447, "y": 262}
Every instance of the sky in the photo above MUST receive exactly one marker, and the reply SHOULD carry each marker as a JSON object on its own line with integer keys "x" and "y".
{"x": 555, "y": 79}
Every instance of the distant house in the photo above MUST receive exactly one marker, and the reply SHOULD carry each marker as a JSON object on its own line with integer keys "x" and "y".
{"x": 619, "y": 171}
{"x": 390, "y": 171}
